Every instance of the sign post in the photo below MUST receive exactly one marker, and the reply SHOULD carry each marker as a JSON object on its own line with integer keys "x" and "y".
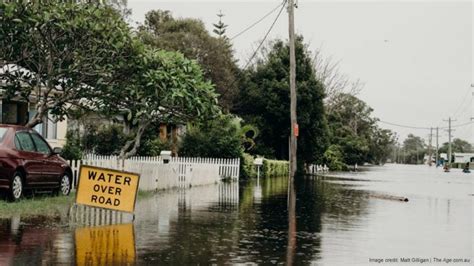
{"x": 107, "y": 188}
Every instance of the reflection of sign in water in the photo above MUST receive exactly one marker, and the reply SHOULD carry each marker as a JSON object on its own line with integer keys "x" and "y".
{"x": 107, "y": 188}
{"x": 105, "y": 245}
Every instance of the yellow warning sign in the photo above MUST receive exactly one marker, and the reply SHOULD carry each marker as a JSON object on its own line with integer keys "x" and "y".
{"x": 105, "y": 245}
{"x": 107, "y": 188}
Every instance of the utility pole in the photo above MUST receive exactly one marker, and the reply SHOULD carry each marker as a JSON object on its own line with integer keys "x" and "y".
{"x": 437, "y": 147}
{"x": 294, "y": 123}
{"x": 449, "y": 137}
{"x": 430, "y": 154}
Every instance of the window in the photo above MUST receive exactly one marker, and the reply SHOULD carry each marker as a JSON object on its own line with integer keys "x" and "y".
{"x": 51, "y": 127}
{"x": 9, "y": 113}
{"x": 24, "y": 142}
{"x": 48, "y": 129}
{"x": 41, "y": 145}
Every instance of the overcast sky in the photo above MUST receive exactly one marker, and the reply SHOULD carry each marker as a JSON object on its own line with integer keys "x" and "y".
{"x": 415, "y": 58}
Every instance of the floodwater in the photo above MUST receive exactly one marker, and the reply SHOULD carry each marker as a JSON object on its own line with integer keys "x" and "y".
{"x": 345, "y": 219}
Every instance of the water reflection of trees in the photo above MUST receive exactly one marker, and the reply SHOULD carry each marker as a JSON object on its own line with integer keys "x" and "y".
{"x": 255, "y": 229}
{"x": 315, "y": 199}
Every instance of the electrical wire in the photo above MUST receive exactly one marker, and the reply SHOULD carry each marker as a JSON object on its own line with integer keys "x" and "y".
{"x": 424, "y": 128}
{"x": 265, "y": 37}
{"x": 405, "y": 126}
{"x": 461, "y": 125}
{"x": 258, "y": 21}
{"x": 463, "y": 101}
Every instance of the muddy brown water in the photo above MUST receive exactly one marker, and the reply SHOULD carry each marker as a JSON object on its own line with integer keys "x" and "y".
{"x": 320, "y": 221}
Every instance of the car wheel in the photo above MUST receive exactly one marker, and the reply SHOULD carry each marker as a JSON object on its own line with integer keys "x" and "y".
{"x": 65, "y": 185}
{"x": 16, "y": 187}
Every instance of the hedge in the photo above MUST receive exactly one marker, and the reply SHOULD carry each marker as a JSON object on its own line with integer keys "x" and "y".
{"x": 274, "y": 168}
{"x": 248, "y": 168}
{"x": 270, "y": 168}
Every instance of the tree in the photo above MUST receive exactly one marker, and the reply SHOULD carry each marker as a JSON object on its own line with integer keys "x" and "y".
{"x": 414, "y": 149}
{"x": 220, "y": 27}
{"x": 335, "y": 82}
{"x": 350, "y": 127}
{"x": 60, "y": 53}
{"x": 216, "y": 138}
{"x": 162, "y": 87}
{"x": 121, "y": 7}
{"x": 354, "y": 131}
{"x": 457, "y": 145}
{"x": 190, "y": 37}
{"x": 381, "y": 143}
{"x": 264, "y": 101}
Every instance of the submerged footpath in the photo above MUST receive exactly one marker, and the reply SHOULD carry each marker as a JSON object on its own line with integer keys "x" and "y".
{"x": 43, "y": 205}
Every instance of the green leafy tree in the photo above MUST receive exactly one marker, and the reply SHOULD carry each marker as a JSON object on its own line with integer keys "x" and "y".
{"x": 414, "y": 149}
{"x": 264, "y": 101}
{"x": 190, "y": 37}
{"x": 354, "y": 130}
{"x": 350, "y": 124}
{"x": 60, "y": 53}
{"x": 334, "y": 158}
{"x": 457, "y": 145}
{"x": 381, "y": 143}
{"x": 162, "y": 87}
{"x": 220, "y": 27}
{"x": 216, "y": 138}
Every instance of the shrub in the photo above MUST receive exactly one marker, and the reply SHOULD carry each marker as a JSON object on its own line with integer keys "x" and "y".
{"x": 275, "y": 168}
{"x": 247, "y": 169}
{"x": 72, "y": 149}
{"x": 104, "y": 140}
{"x": 334, "y": 158}
{"x": 153, "y": 147}
{"x": 216, "y": 138}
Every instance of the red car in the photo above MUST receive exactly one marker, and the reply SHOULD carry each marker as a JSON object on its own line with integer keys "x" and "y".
{"x": 27, "y": 162}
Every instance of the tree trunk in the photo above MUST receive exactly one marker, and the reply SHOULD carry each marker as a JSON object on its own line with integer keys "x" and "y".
{"x": 38, "y": 118}
{"x": 125, "y": 152}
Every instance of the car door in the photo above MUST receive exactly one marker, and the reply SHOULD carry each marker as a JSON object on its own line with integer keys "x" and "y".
{"x": 52, "y": 169}
{"x": 32, "y": 160}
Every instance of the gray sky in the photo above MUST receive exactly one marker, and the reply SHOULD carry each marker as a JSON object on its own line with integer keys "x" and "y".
{"x": 415, "y": 57}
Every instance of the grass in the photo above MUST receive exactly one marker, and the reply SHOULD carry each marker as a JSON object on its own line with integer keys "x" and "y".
{"x": 45, "y": 205}
{"x": 42, "y": 205}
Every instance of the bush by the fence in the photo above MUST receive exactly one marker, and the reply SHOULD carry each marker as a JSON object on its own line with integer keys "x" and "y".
{"x": 273, "y": 168}
{"x": 248, "y": 169}
{"x": 72, "y": 149}
{"x": 217, "y": 138}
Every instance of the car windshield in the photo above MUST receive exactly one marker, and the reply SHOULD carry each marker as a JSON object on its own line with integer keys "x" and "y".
{"x": 3, "y": 130}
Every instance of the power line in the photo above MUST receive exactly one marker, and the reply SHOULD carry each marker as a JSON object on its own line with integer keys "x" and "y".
{"x": 258, "y": 21}
{"x": 463, "y": 101}
{"x": 461, "y": 125}
{"x": 260, "y": 44}
{"x": 265, "y": 37}
{"x": 399, "y": 125}
{"x": 423, "y": 128}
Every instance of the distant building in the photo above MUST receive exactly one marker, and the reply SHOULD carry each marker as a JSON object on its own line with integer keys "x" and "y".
{"x": 463, "y": 157}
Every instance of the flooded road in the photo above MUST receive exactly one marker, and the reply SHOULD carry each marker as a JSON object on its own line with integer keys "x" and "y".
{"x": 342, "y": 219}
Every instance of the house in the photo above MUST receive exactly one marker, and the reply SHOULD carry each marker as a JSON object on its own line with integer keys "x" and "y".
{"x": 463, "y": 157}
{"x": 17, "y": 111}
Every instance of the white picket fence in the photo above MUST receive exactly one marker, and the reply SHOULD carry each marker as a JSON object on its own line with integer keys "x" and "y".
{"x": 154, "y": 174}
{"x": 315, "y": 169}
